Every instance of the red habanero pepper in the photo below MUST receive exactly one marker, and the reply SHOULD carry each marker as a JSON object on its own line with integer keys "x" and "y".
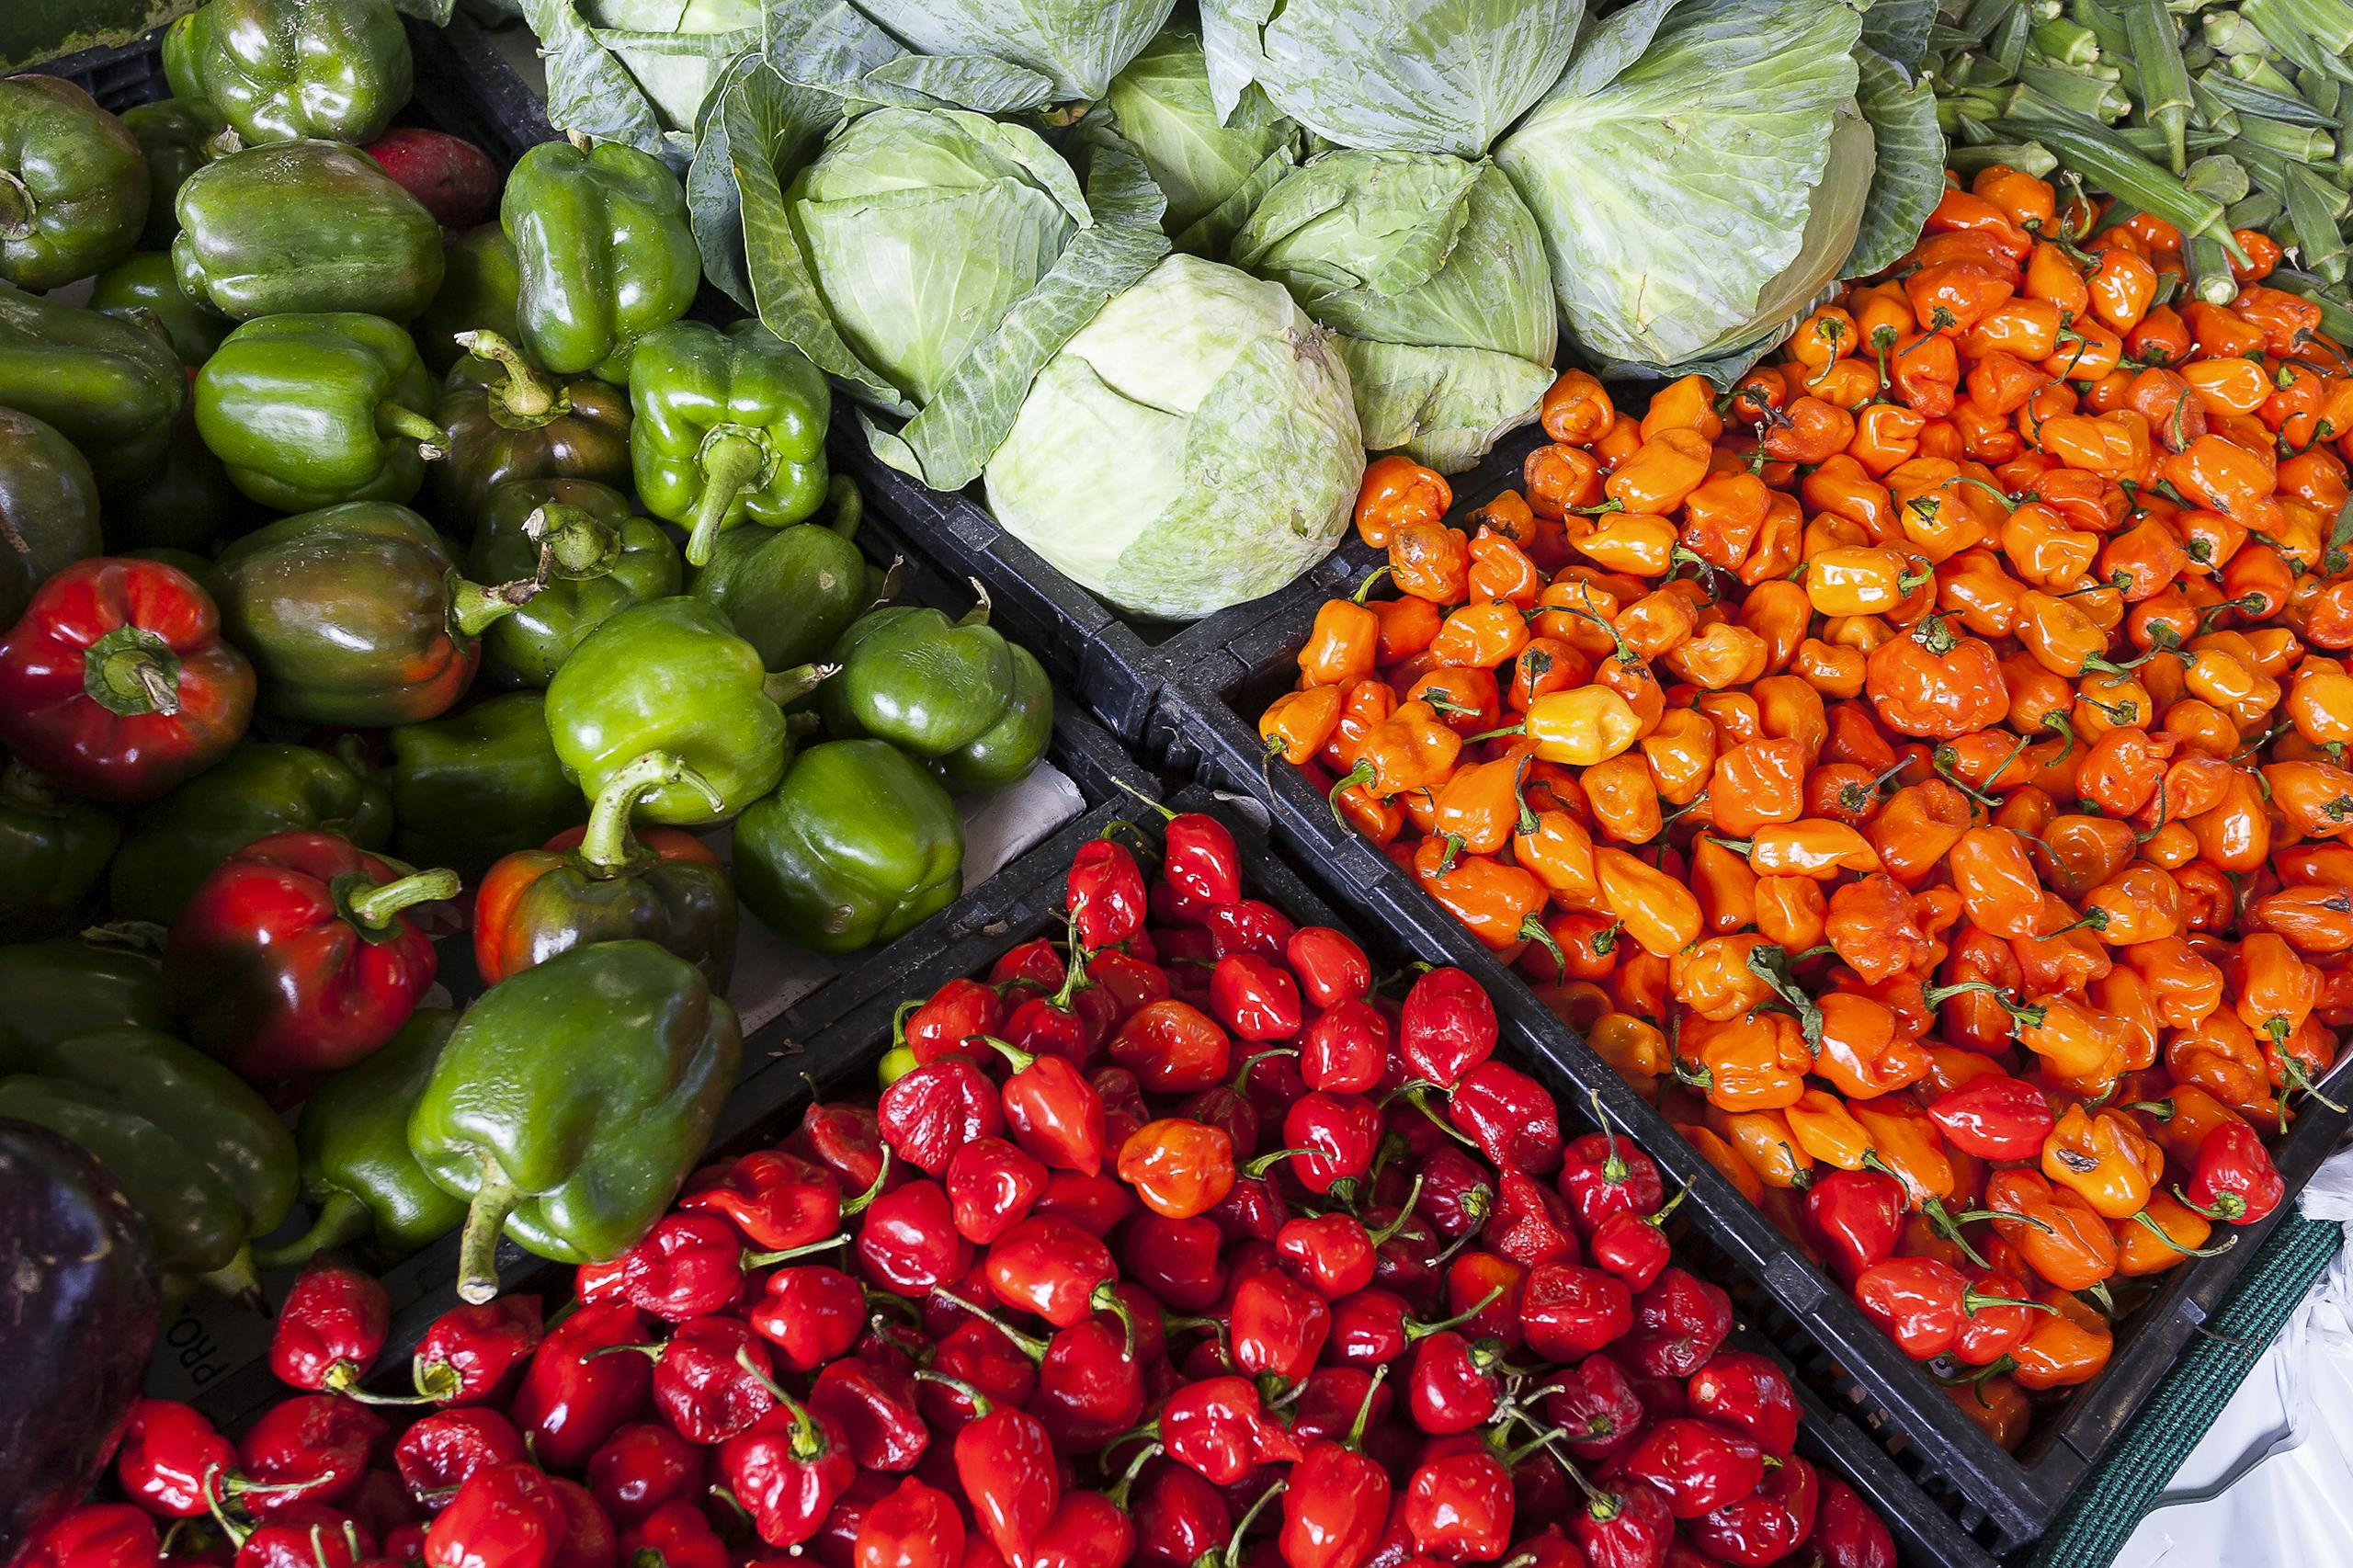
{"x": 990, "y": 1186}
{"x": 675, "y": 1535}
{"x": 331, "y": 1329}
{"x": 786, "y": 1470}
{"x": 1199, "y": 859}
{"x": 293, "y": 958}
{"x": 441, "y": 1452}
{"x": 507, "y": 1515}
{"x": 1178, "y": 1167}
{"x": 472, "y": 1354}
{"x": 2233, "y": 1178}
{"x": 1458, "y": 1507}
{"x": 1255, "y": 997}
{"x": 1848, "y": 1533}
{"x": 711, "y": 1379}
{"x": 1994, "y": 1117}
{"x": 1105, "y": 894}
{"x": 1923, "y": 1303}
{"x": 945, "y": 1024}
{"x": 1634, "y": 1246}
{"x": 96, "y": 1535}
{"x": 1679, "y": 1324}
{"x": 572, "y": 1398}
{"x": 1337, "y": 1499}
{"x": 1567, "y": 1311}
{"x": 1695, "y": 1466}
{"x": 871, "y": 1402}
{"x": 1055, "y": 1112}
{"x": 643, "y": 1468}
{"x": 1088, "y": 1528}
{"x": 1508, "y": 1115}
{"x": 1447, "y": 1026}
{"x": 916, "y": 1527}
{"x": 1048, "y": 1265}
{"x": 1331, "y": 968}
{"x": 1345, "y": 1050}
{"x": 811, "y": 1315}
{"x": 1595, "y": 1405}
{"x": 779, "y": 1201}
{"x": 1531, "y": 1223}
{"x": 115, "y": 683}
{"x": 927, "y": 1114}
{"x": 312, "y": 1449}
{"x": 1332, "y": 1138}
{"x": 1219, "y": 1427}
{"x": 1768, "y": 1525}
{"x": 1005, "y": 1463}
{"x": 1748, "y": 1394}
{"x": 687, "y": 1266}
{"x": 908, "y": 1242}
{"x": 1857, "y": 1216}
{"x": 1600, "y": 1176}
{"x": 170, "y": 1458}
{"x": 1276, "y": 1326}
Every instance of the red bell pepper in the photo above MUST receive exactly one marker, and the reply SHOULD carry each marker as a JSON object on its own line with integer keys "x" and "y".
{"x": 115, "y": 683}
{"x": 293, "y": 958}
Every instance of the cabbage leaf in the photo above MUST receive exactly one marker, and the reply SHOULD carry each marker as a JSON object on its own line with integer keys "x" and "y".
{"x": 1724, "y": 125}
{"x": 1908, "y": 174}
{"x": 1416, "y": 76}
{"x": 1079, "y": 45}
{"x": 1214, "y": 173}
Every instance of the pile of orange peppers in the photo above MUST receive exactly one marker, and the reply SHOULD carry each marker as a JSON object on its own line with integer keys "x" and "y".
{"x": 1922, "y": 766}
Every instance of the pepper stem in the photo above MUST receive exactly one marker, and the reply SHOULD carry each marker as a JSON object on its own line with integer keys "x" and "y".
{"x": 493, "y": 1199}
{"x": 342, "y": 1220}
{"x": 16, "y": 207}
{"x": 982, "y": 1405}
{"x": 131, "y": 671}
{"x": 375, "y": 907}
{"x": 979, "y": 613}
{"x": 527, "y": 397}
{"x": 393, "y": 419}
{"x": 732, "y": 462}
{"x": 2159, "y": 1231}
{"x": 873, "y": 1189}
{"x": 809, "y": 1439}
{"x": 1249, "y": 1517}
{"x": 474, "y": 607}
{"x": 785, "y": 687}
{"x": 1166, "y": 815}
{"x": 846, "y": 506}
{"x": 1415, "y": 1330}
{"x": 607, "y": 846}
{"x": 574, "y": 543}
{"x": 1404, "y": 1212}
{"x": 1355, "y": 1439}
{"x": 785, "y": 1255}
{"x": 1029, "y": 1345}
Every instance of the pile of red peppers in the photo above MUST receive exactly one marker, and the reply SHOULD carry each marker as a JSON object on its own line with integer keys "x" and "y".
{"x": 1190, "y": 1242}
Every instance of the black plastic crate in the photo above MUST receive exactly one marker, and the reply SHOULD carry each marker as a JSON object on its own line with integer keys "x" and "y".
{"x": 1206, "y": 728}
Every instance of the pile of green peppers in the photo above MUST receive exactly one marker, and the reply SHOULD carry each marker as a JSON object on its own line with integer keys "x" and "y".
{"x": 516, "y": 552}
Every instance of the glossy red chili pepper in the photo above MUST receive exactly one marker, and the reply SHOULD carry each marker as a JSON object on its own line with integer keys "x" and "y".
{"x": 1453, "y": 1385}
{"x": 1624, "y": 1527}
{"x": 1601, "y": 1176}
{"x": 1595, "y": 1406}
{"x": 1330, "y": 1254}
{"x": 1053, "y": 1110}
{"x": 172, "y": 1459}
{"x": 811, "y": 1315}
{"x": 846, "y": 1140}
{"x": 687, "y": 1266}
{"x": 1509, "y": 1116}
{"x": 2233, "y": 1179}
{"x": 1201, "y": 860}
{"x": 990, "y": 1186}
{"x": 1857, "y": 1216}
{"x": 871, "y": 1402}
{"x": 1345, "y": 1050}
{"x": 1181, "y": 1519}
{"x": 572, "y": 1398}
{"x": 1992, "y": 1331}
{"x": 1173, "y": 1048}
{"x": 1250, "y": 925}
{"x": 1048, "y": 1265}
{"x": 916, "y": 1527}
{"x": 1217, "y": 1426}
{"x": 1446, "y": 1027}
{"x": 711, "y": 1379}
{"x": 1329, "y": 965}
{"x": 1090, "y": 1388}
{"x": 312, "y": 1449}
{"x": 1846, "y": 1532}
{"x": 1005, "y": 1462}
{"x": 945, "y": 1024}
{"x": 97, "y": 1535}
{"x": 1337, "y": 1499}
{"x": 304, "y": 1535}
{"x": 786, "y": 1470}
{"x": 675, "y": 1535}
{"x": 928, "y": 1114}
{"x": 507, "y": 1515}
{"x": 778, "y": 1201}
{"x": 1458, "y": 1193}
{"x": 1994, "y": 1117}
{"x": 1922, "y": 1303}
{"x": 1768, "y": 1525}
{"x": 1748, "y": 1394}
{"x": 295, "y": 957}
{"x": 331, "y": 1329}
{"x": 1176, "y": 1260}
{"x": 909, "y": 1243}
{"x": 1276, "y": 1326}
{"x": 1458, "y": 1508}
{"x": 642, "y": 1467}
{"x": 439, "y": 1452}
{"x": 1256, "y": 997}
{"x": 1104, "y": 893}
{"x": 472, "y": 1354}
{"x": 1334, "y": 1139}
{"x": 1634, "y": 1246}
{"x": 1679, "y": 1323}
{"x": 977, "y": 1355}
{"x": 1568, "y": 1311}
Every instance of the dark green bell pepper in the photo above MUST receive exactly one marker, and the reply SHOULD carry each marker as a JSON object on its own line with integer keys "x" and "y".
{"x": 73, "y": 184}
{"x": 507, "y": 421}
{"x": 304, "y": 226}
{"x": 605, "y": 250}
{"x": 307, "y": 411}
{"x": 572, "y": 1100}
{"x": 913, "y": 678}
{"x": 147, "y": 281}
{"x": 359, "y": 1177}
{"x": 179, "y": 137}
{"x": 261, "y": 788}
{"x": 69, "y": 986}
{"x": 111, "y": 387}
{"x": 856, "y": 845}
{"x": 480, "y": 281}
{"x": 280, "y": 69}
{"x": 49, "y": 508}
{"x": 791, "y": 592}
{"x": 187, "y": 505}
{"x": 198, "y": 1154}
{"x": 601, "y": 558}
{"x": 355, "y": 616}
{"x": 670, "y": 676}
{"x": 53, "y": 855}
{"x": 1007, "y": 751}
{"x": 730, "y": 429}
{"x": 469, "y": 787}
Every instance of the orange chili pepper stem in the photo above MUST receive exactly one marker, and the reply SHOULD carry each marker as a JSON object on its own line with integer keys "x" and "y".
{"x": 1978, "y": 1378}
{"x": 1365, "y": 587}
{"x": 2009, "y": 503}
{"x": 2100, "y": 1297}
{"x": 2159, "y": 1231}
{"x": 2162, "y": 1110}
{"x": 2115, "y": 582}
{"x": 1520, "y": 729}
{"x": 1855, "y": 797}
{"x": 2028, "y": 1014}
{"x": 1613, "y": 505}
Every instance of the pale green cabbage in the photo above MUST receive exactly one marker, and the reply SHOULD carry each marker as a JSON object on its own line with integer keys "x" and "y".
{"x": 1078, "y": 44}
{"x": 921, "y": 227}
{"x": 673, "y": 48}
{"x": 1192, "y": 447}
{"x": 1417, "y": 76}
{"x": 1212, "y": 173}
{"x": 1432, "y": 273}
{"x": 1695, "y": 198}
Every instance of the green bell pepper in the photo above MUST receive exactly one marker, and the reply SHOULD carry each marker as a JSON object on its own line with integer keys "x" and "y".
{"x": 304, "y": 226}
{"x": 791, "y": 592}
{"x": 730, "y": 429}
{"x": 110, "y": 386}
{"x": 187, "y": 505}
{"x": 198, "y": 1154}
{"x": 670, "y": 676}
{"x": 601, "y": 560}
{"x": 469, "y": 787}
{"x": 73, "y": 184}
{"x": 358, "y": 1175}
{"x": 179, "y": 137}
{"x": 1007, "y": 751}
{"x": 856, "y": 845}
{"x": 147, "y": 281}
{"x": 572, "y": 1100}
{"x": 307, "y": 411}
{"x": 280, "y": 69}
{"x": 261, "y": 788}
{"x": 507, "y": 421}
{"x": 355, "y": 615}
{"x": 53, "y": 855}
{"x": 479, "y": 283}
{"x": 49, "y": 508}
{"x": 605, "y": 250}
{"x": 913, "y": 678}
{"x": 68, "y": 986}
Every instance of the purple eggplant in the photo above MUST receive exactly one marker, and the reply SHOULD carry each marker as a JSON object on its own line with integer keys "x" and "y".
{"x": 79, "y": 1297}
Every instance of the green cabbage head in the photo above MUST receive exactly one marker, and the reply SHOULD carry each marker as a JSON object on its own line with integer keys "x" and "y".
{"x": 1212, "y": 172}
{"x": 1192, "y": 447}
{"x": 921, "y": 227}
{"x": 1078, "y": 44}
{"x": 1432, "y": 273}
